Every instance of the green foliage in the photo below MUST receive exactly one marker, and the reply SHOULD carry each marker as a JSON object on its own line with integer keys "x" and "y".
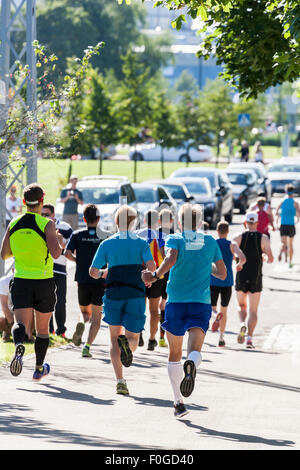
{"x": 257, "y": 41}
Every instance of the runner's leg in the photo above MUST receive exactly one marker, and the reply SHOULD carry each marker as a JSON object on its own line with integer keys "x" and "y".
{"x": 42, "y": 337}
{"x": 253, "y": 307}
{"x": 116, "y": 331}
{"x": 175, "y": 371}
{"x": 291, "y": 250}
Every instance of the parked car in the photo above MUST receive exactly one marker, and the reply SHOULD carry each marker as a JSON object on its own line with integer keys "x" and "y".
{"x": 283, "y": 173}
{"x": 220, "y": 186}
{"x": 152, "y": 152}
{"x": 152, "y": 196}
{"x": 108, "y": 193}
{"x": 261, "y": 174}
{"x": 202, "y": 193}
{"x": 245, "y": 188}
{"x": 177, "y": 189}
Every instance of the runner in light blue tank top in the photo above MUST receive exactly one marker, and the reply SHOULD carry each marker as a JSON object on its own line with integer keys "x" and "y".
{"x": 287, "y": 210}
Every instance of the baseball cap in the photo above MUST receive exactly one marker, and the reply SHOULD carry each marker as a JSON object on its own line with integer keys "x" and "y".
{"x": 252, "y": 217}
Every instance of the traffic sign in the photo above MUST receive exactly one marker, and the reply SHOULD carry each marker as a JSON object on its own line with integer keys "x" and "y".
{"x": 244, "y": 120}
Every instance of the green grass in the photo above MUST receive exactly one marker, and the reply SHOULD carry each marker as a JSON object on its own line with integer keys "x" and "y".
{"x": 7, "y": 349}
{"x": 53, "y": 174}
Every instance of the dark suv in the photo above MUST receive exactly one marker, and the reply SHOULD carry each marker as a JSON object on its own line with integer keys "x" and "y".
{"x": 221, "y": 190}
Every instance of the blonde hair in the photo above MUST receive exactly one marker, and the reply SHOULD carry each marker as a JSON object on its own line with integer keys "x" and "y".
{"x": 125, "y": 216}
{"x": 190, "y": 216}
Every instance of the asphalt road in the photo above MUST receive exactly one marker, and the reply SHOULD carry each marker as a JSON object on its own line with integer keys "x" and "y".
{"x": 243, "y": 399}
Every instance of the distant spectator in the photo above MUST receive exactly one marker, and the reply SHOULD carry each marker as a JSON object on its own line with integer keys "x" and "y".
{"x": 244, "y": 151}
{"x": 258, "y": 153}
{"x": 13, "y": 205}
{"x": 71, "y": 197}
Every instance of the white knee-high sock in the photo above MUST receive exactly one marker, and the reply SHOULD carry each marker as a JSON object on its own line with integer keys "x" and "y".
{"x": 196, "y": 357}
{"x": 175, "y": 372}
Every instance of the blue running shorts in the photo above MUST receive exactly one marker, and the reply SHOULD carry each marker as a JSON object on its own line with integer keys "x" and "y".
{"x": 181, "y": 316}
{"x": 129, "y": 313}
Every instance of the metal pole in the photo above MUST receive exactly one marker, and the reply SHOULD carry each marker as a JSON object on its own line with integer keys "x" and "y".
{"x": 31, "y": 88}
{"x": 4, "y": 78}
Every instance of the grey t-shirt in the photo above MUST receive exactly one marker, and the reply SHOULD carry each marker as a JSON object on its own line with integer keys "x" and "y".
{"x": 71, "y": 205}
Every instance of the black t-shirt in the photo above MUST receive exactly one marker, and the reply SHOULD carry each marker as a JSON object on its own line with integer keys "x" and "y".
{"x": 86, "y": 242}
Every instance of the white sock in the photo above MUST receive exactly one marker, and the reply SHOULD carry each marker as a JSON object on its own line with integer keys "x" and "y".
{"x": 249, "y": 338}
{"x": 175, "y": 372}
{"x": 121, "y": 381}
{"x": 221, "y": 336}
{"x": 196, "y": 357}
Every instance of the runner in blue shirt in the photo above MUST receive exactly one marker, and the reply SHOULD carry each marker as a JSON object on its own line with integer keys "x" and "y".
{"x": 224, "y": 288}
{"x": 288, "y": 209}
{"x": 190, "y": 258}
{"x": 125, "y": 253}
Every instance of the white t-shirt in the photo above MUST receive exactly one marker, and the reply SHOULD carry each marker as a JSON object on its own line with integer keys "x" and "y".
{"x": 4, "y": 284}
{"x": 13, "y": 207}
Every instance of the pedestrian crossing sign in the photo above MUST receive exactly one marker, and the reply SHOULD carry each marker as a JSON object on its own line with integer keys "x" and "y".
{"x": 244, "y": 120}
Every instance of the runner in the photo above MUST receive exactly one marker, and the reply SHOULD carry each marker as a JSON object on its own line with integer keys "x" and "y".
{"x": 124, "y": 300}
{"x": 287, "y": 210}
{"x": 60, "y": 273}
{"x": 7, "y": 319}
{"x": 154, "y": 293}
{"x": 256, "y": 247}
{"x": 267, "y": 208}
{"x": 166, "y": 221}
{"x": 189, "y": 258}
{"x": 31, "y": 239}
{"x": 81, "y": 249}
{"x": 224, "y": 288}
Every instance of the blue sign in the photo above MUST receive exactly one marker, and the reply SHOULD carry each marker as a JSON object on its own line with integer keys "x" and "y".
{"x": 244, "y": 120}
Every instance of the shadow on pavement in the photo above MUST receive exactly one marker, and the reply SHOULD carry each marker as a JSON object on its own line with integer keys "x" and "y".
{"x": 150, "y": 401}
{"x": 62, "y": 393}
{"x": 12, "y": 423}
{"x": 239, "y": 378}
{"x": 237, "y": 437}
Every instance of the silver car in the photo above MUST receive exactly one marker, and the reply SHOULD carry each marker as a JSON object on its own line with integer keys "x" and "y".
{"x": 107, "y": 193}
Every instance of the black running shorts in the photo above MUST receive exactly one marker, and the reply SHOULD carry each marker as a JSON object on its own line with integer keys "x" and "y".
{"x": 39, "y": 294}
{"x": 90, "y": 294}
{"x": 223, "y": 291}
{"x": 156, "y": 290}
{"x": 287, "y": 231}
{"x": 249, "y": 285}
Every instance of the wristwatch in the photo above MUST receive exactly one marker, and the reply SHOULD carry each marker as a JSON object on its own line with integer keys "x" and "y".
{"x": 154, "y": 274}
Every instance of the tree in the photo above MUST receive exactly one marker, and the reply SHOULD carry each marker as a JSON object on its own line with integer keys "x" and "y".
{"x": 186, "y": 82}
{"x": 165, "y": 125}
{"x": 257, "y": 41}
{"x": 69, "y": 27}
{"x": 97, "y": 113}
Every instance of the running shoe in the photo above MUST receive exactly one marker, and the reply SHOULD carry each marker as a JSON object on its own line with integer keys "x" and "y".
{"x": 216, "y": 323}
{"x": 126, "y": 353}
{"x": 221, "y": 343}
{"x": 78, "y": 334}
{"x": 163, "y": 343}
{"x": 141, "y": 340}
{"x": 250, "y": 345}
{"x": 152, "y": 343}
{"x": 122, "y": 389}
{"x": 188, "y": 383}
{"x": 180, "y": 410}
{"x": 40, "y": 373}
{"x": 241, "y": 336}
{"x": 86, "y": 352}
{"x": 17, "y": 362}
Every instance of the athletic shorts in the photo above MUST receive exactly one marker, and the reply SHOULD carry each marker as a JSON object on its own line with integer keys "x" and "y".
{"x": 129, "y": 313}
{"x": 164, "y": 290}
{"x": 39, "y": 294}
{"x": 287, "y": 231}
{"x": 249, "y": 286}
{"x": 156, "y": 290}
{"x": 181, "y": 316}
{"x": 223, "y": 291}
{"x": 90, "y": 294}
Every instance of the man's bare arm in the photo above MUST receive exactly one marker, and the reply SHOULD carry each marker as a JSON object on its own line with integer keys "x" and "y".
{"x": 219, "y": 270}
{"x": 54, "y": 247}
{"x": 5, "y": 246}
{"x": 69, "y": 255}
{"x": 266, "y": 248}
